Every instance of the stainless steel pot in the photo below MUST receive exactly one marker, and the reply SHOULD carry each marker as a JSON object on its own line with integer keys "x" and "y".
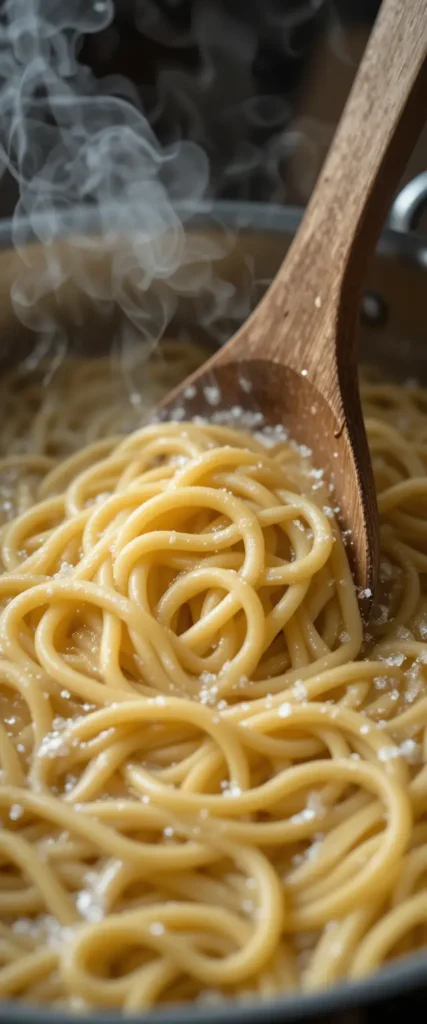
{"x": 258, "y": 235}
{"x": 393, "y": 323}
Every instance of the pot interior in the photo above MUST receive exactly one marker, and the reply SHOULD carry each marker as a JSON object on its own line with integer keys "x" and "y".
{"x": 80, "y": 316}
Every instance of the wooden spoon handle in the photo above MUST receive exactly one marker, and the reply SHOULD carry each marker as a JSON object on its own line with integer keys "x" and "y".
{"x": 317, "y": 291}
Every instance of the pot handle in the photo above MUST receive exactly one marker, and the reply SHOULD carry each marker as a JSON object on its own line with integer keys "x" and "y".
{"x": 408, "y": 204}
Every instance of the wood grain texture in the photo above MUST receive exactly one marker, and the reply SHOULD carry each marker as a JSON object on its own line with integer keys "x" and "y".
{"x": 298, "y": 348}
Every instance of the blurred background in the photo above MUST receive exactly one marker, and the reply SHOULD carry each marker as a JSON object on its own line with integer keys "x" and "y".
{"x": 258, "y": 85}
{"x": 126, "y": 124}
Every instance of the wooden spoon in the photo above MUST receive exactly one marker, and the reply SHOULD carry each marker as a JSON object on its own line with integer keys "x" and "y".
{"x": 295, "y": 358}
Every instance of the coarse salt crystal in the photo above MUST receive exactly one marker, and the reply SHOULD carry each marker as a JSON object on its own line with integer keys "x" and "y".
{"x": 388, "y": 753}
{"x": 157, "y": 928}
{"x": 299, "y": 690}
{"x": 16, "y": 812}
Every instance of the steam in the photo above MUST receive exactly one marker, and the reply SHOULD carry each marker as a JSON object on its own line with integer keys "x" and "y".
{"x": 241, "y": 95}
{"x": 81, "y": 151}
{"x": 87, "y": 164}
{"x": 229, "y": 103}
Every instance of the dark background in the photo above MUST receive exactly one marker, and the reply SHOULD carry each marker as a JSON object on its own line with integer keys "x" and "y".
{"x": 259, "y": 84}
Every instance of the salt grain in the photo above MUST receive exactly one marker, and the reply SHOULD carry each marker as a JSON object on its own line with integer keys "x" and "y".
{"x": 89, "y": 905}
{"x": 315, "y": 804}
{"x": 16, "y": 812}
{"x": 230, "y": 789}
{"x": 157, "y": 928}
{"x": 388, "y": 753}
{"x": 299, "y": 691}
{"x": 212, "y": 394}
{"x": 411, "y": 751}
{"x": 306, "y": 815}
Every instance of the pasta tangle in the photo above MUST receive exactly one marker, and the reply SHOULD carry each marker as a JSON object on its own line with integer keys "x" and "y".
{"x": 213, "y": 782}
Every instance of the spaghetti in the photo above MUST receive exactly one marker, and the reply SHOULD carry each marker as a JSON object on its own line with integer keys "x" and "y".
{"x": 212, "y": 784}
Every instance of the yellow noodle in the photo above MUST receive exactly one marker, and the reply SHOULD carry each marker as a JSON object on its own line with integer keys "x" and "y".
{"x": 213, "y": 785}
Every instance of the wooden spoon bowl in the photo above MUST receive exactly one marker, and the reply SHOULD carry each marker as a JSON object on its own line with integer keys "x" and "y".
{"x": 294, "y": 362}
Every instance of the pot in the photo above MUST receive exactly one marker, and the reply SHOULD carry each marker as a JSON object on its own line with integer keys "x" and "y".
{"x": 255, "y": 237}
{"x": 392, "y": 333}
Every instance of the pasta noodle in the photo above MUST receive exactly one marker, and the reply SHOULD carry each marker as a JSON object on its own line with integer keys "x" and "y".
{"x": 213, "y": 783}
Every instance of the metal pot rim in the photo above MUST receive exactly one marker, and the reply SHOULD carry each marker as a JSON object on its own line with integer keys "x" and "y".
{"x": 407, "y": 976}
{"x": 265, "y": 218}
